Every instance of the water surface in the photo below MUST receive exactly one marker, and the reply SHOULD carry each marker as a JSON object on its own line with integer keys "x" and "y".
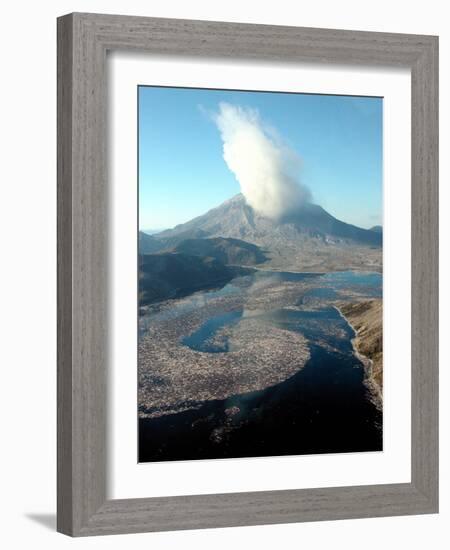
{"x": 325, "y": 407}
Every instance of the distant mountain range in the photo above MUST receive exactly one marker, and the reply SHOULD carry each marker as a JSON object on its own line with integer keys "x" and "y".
{"x": 377, "y": 228}
{"x": 153, "y": 231}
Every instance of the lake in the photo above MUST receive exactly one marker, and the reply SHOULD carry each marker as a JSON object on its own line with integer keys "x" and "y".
{"x": 325, "y": 407}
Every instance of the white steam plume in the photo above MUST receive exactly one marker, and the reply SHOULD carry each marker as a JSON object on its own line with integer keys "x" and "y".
{"x": 266, "y": 169}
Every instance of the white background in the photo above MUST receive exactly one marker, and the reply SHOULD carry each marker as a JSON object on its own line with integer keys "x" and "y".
{"x": 131, "y": 480}
{"x": 28, "y": 302}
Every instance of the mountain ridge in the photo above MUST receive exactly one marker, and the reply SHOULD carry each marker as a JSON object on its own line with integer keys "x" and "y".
{"x": 309, "y": 239}
{"x": 169, "y": 275}
{"x": 234, "y": 218}
{"x": 224, "y": 249}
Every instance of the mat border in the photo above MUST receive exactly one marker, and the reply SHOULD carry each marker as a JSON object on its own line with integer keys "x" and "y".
{"x": 83, "y": 41}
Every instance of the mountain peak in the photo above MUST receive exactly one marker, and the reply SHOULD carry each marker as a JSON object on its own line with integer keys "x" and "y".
{"x": 236, "y": 219}
{"x": 306, "y": 239}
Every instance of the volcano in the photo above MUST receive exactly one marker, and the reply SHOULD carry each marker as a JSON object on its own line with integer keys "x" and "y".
{"x": 235, "y": 218}
{"x": 307, "y": 239}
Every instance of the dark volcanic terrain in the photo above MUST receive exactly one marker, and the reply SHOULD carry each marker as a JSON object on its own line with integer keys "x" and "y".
{"x": 226, "y": 250}
{"x": 171, "y": 275}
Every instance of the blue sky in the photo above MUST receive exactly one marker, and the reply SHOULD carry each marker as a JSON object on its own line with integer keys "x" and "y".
{"x": 182, "y": 173}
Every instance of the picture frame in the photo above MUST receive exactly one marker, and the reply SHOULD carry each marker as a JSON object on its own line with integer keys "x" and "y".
{"x": 83, "y": 40}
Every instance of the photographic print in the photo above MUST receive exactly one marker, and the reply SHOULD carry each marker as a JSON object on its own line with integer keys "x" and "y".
{"x": 259, "y": 273}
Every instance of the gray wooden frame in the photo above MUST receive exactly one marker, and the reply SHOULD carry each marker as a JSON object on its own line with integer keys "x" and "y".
{"x": 83, "y": 40}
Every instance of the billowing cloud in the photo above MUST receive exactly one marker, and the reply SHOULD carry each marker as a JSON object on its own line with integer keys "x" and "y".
{"x": 267, "y": 170}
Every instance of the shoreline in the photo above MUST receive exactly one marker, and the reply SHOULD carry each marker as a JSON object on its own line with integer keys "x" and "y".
{"x": 323, "y": 272}
{"x": 370, "y": 382}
